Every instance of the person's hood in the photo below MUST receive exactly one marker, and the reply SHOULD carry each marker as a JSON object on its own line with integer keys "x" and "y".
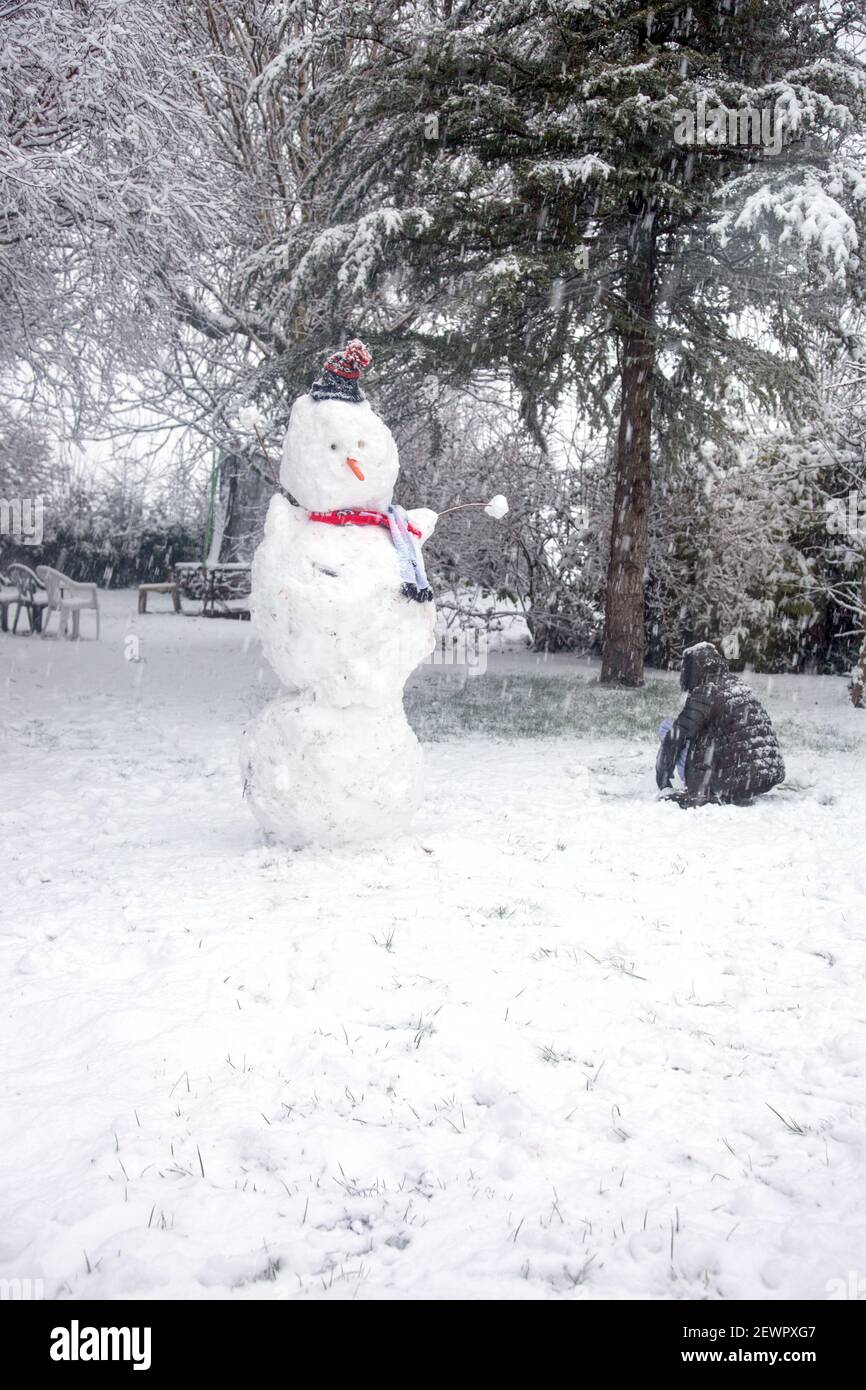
{"x": 700, "y": 664}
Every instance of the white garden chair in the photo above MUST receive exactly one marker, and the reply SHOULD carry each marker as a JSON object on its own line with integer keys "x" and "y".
{"x": 31, "y": 597}
{"x": 8, "y": 596}
{"x": 67, "y": 598}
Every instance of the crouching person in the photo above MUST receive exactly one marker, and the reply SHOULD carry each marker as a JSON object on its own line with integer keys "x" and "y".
{"x": 722, "y": 742}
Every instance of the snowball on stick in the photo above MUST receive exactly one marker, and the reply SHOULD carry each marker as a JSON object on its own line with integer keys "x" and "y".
{"x": 497, "y": 507}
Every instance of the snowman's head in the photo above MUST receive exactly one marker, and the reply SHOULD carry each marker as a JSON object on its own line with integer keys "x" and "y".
{"x": 338, "y": 454}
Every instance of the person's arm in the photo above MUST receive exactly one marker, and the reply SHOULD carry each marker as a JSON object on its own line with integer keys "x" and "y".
{"x": 692, "y": 717}
{"x": 688, "y": 724}
{"x": 668, "y": 756}
{"x": 666, "y": 761}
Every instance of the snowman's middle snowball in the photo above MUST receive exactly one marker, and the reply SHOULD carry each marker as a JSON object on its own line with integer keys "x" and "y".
{"x": 329, "y": 611}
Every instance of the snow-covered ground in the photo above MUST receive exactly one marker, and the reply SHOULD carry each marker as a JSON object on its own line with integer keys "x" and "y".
{"x": 564, "y": 1042}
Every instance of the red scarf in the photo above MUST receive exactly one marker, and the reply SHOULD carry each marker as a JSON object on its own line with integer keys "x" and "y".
{"x": 357, "y": 516}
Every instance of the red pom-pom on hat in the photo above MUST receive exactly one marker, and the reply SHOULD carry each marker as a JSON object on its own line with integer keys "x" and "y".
{"x": 358, "y": 353}
{"x": 350, "y": 362}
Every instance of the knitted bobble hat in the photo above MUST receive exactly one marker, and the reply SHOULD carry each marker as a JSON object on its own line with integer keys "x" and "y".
{"x": 338, "y": 379}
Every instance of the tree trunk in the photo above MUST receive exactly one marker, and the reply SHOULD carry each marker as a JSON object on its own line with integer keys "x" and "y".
{"x": 624, "y": 634}
{"x": 239, "y": 508}
{"x": 858, "y": 687}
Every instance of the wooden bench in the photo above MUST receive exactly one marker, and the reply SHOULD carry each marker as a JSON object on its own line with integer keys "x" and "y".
{"x": 169, "y": 587}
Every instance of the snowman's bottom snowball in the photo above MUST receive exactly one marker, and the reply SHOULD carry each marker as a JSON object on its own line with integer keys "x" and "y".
{"x": 314, "y": 774}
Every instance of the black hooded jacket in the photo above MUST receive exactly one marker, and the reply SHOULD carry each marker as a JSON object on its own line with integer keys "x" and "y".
{"x": 733, "y": 751}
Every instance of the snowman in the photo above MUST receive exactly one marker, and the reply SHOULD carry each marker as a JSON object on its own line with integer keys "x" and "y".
{"x": 344, "y": 612}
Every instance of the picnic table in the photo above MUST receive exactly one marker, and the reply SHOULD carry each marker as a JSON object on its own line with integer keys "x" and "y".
{"x": 220, "y": 588}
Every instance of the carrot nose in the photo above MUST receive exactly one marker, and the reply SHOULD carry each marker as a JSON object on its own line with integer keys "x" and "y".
{"x": 356, "y": 469}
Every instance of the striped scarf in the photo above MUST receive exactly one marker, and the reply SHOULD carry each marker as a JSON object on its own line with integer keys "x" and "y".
{"x": 404, "y": 537}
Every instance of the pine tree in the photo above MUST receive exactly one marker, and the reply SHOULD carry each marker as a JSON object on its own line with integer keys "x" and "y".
{"x": 519, "y": 179}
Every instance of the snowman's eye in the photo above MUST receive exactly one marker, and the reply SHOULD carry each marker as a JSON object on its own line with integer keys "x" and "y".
{"x": 334, "y": 447}
{"x": 362, "y": 443}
